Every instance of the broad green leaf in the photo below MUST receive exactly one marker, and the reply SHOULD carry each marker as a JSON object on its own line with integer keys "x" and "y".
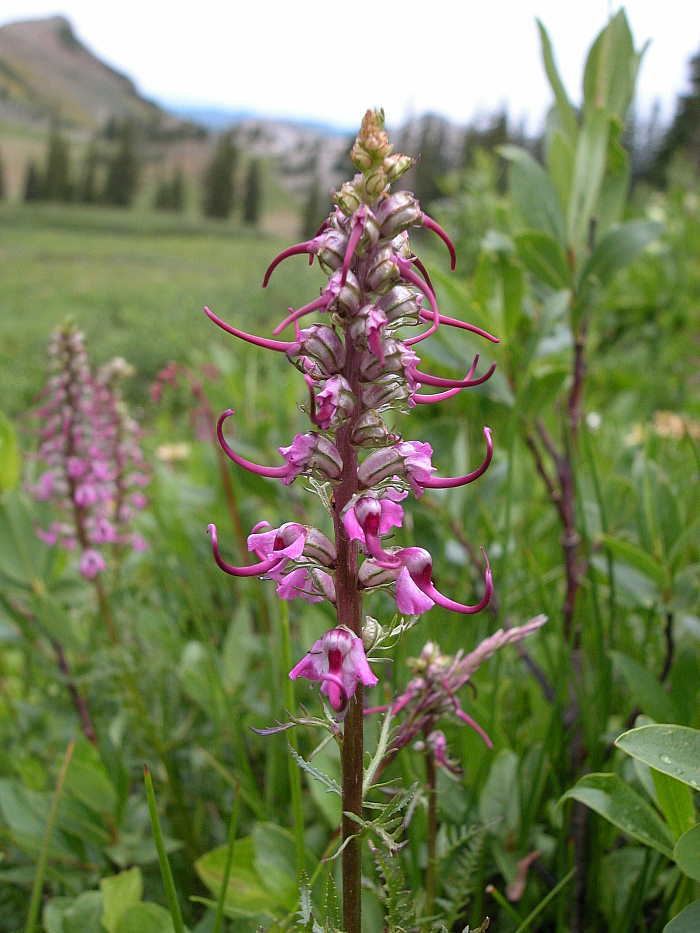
{"x": 615, "y": 186}
{"x": 499, "y": 802}
{"x": 145, "y": 918}
{"x": 565, "y": 109}
{"x": 533, "y": 194}
{"x": 644, "y": 688}
{"x": 541, "y": 391}
{"x": 687, "y": 921}
{"x": 611, "y": 68}
{"x": 686, "y": 852}
{"x": 610, "y": 797}
{"x": 672, "y": 749}
{"x": 198, "y": 672}
{"x": 87, "y": 779}
{"x": 589, "y": 169}
{"x": 246, "y": 895}
{"x": 560, "y": 162}
{"x": 675, "y": 801}
{"x": 618, "y": 248}
{"x": 10, "y": 460}
{"x": 275, "y": 859}
{"x": 85, "y": 914}
{"x": 544, "y": 258}
{"x": 636, "y": 557}
{"x": 118, "y": 894}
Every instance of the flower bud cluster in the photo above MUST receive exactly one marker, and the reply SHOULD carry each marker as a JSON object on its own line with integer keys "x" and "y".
{"x": 93, "y": 467}
{"x": 360, "y": 367}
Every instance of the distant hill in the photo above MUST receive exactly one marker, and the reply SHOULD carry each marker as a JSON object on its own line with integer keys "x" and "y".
{"x": 45, "y": 70}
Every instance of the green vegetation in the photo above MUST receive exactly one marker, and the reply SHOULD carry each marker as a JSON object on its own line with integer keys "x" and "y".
{"x": 584, "y": 816}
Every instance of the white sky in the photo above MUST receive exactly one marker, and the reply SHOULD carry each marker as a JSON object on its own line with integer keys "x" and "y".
{"x": 330, "y": 61}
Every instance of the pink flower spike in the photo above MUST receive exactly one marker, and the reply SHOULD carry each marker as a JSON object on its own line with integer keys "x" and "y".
{"x": 358, "y": 227}
{"x": 252, "y": 570}
{"x": 464, "y": 325}
{"x": 279, "y": 472}
{"x": 451, "y": 604}
{"x": 281, "y": 346}
{"x": 418, "y": 263}
{"x": 320, "y": 302}
{"x": 440, "y": 382}
{"x": 436, "y": 228}
{"x": 308, "y": 246}
{"x": 407, "y": 273}
{"x": 339, "y": 662}
{"x": 472, "y": 723}
{"x": 420, "y": 399}
{"x": 450, "y": 482}
{"x": 92, "y": 563}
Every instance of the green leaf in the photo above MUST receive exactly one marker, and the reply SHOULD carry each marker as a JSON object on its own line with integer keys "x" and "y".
{"x": 87, "y": 779}
{"x": 564, "y": 107}
{"x": 611, "y": 68}
{"x": 84, "y": 915}
{"x": 687, "y": 921}
{"x": 671, "y": 749}
{"x": 246, "y": 895}
{"x": 118, "y": 894}
{"x": 560, "y": 163}
{"x": 589, "y": 168}
{"x": 686, "y": 852}
{"x": 618, "y": 248}
{"x": 610, "y": 797}
{"x": 145, "y": 918}
{"x": 10, "y": 460}
{"x": 675, "y": 801}
{"x": 499, "y": 802}
{"x": 638, "y": 558}
{"x": 275, "y": 860}
{"x": 613, "y": 191}
{"x": 544, "y": 258}
{"x": 533, "y": 194}
{"x": 644, "y": 687}
{"x": 542, "y": 389}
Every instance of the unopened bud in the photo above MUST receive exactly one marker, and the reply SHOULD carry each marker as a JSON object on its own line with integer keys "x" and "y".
{"x": 383, "y": 272}
{"x": 396, "y": 165}
{"x": 401, "y": 303}
{"x": 332, "y": 250}
{"x": 319, "y": 351}
{"x": 370, "y": 431}
{"x": 318, "y": 547}
{"x": 371, "y": 633}
{"x": 397, "y": 212}
{"x": 375, "y": 182}
{"x": 387, "y": 392}
{"x": 347, "y": 197}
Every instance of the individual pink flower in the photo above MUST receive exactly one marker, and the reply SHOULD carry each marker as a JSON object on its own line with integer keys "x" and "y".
{"x": 437, "y": 743}
{"x": 374, "y": 514}
{"x": 338, "y": 660}
{"x": 92, "y": 563}
{"x": 333, "y": 402}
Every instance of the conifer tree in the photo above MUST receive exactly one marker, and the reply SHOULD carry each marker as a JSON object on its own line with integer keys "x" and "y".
{"x": 87, "y": 187}
{"x": 56, "y": 183}
{"x": 316, "y": 206}
{"x": 32, "y": 182}
{"x": 219, "y": 185}
{"x": 123, "y": 169}
{"x": 253, "y": 194}
{"x": 683, "y": 135}
{"x": 177, "y": 191}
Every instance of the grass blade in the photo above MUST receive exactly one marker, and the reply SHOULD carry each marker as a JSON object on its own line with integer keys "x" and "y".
{"x": 165, "y": 870}
{"x": 232, "y": 828}
{"x": 35, "y": 900}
